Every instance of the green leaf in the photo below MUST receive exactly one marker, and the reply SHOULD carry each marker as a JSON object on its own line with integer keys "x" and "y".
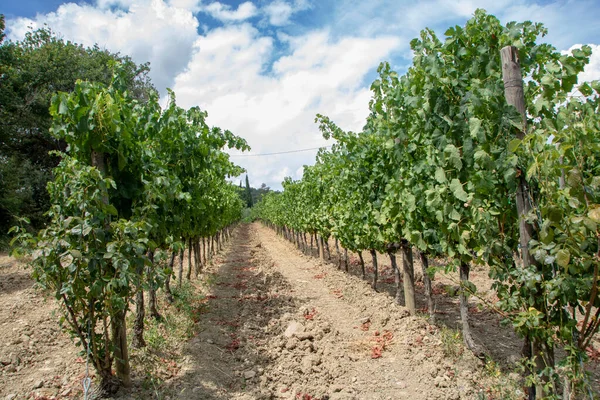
{"x": 63, "y": 107}
{"x": 110, "y": 209}
{"x": 514, "y": 144}
{"x": 75, "y": 253}
{"x": 458, "y": 191}
{"x": 594, "y": 213}
{"x": 440, "y": 175}
{"x": 474, "y": 127}
{"x": 453, "y": 156}
{"x": 563, "y": 257}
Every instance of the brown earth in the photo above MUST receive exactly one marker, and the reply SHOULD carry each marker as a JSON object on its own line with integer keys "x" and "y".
{"x": 36, "y": 359}
{"x": 274, "y": 324}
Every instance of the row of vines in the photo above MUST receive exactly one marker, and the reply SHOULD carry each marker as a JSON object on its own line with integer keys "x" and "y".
{"x": 446, "y": 167}
{"x": 136, "y": 184}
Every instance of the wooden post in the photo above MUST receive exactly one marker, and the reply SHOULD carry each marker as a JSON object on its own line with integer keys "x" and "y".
{"x": 321, "y": 244}
{"x": 408, "y": 277}
{"x": 541, "y": 353}
{"x": 513, "y": 92}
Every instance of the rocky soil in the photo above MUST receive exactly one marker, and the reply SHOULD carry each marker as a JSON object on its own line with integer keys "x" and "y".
{"x": 272, "y": 323}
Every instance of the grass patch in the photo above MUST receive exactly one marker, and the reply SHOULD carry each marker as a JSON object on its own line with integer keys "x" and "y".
{"x": 452, "y": 342}
{"x": 161, "y": 360}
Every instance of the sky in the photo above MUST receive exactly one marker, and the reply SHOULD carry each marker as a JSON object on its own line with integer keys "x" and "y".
{"x": 264, "y": 69}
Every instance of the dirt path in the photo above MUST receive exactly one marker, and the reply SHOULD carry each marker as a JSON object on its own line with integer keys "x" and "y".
{"x": 36, "y": 359}
{"x": 282, "y": 325}
{"x": 273, "y": 324}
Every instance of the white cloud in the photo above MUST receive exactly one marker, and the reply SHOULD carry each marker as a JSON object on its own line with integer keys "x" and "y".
{"x": 147, "y": 31}
{"x": 591, "y": 71}
{"x": 275, "y": 111}
{"x": 264, "y": 76}
{"x": 279, "y": 12}
{"x": 224, "y": 13}
{"x": 192, "y": 5}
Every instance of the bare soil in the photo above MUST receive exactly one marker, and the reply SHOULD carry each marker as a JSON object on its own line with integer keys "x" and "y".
{"x": 37, "y": 360}
{"x": 273, "y": 324}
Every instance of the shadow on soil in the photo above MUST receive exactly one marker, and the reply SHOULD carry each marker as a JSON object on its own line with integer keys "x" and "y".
{"x": 500, "y": 342}
{"x": 246, "y": 297}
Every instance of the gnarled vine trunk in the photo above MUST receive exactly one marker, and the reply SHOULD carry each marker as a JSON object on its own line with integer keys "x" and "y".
{"x": 375, "y": 269}
{"x": 427, "y": 285}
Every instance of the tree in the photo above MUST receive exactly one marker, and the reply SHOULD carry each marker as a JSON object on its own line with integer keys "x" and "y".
{"x": 248, "y": 194}
{"x": 31, "y": 71}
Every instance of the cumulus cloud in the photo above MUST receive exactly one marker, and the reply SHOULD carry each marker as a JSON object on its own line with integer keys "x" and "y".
{"x": 592, "y": 70}
{"x": 192, "y": 5}
{"x": 275, "y": 110}
{"x": 264, "y": 76}
{"x": 225, "y": 13}
{"x": 147, "y": 31}
{"x": 279, "y": 12}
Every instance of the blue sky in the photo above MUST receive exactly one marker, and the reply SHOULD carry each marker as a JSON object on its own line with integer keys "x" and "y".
{"x": 263, "y": 69}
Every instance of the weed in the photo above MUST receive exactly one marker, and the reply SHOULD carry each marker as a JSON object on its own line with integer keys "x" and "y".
{"x": 452, "y": 342}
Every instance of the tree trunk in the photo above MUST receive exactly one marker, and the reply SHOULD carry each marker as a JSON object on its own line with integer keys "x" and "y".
{"x": 311, "y": 244}
{"x": 119, "y": 340}
{"x": 321, "y": 244}
{"x": 197, "y": 258}
{"x": 203, "y": 250}
{"x": 408, "y": 277}
{"x": 181, "y": 253}
{"x": 346, "y": 263}
{"x": 306, "y": 250}
{"x": 362, "y": 264}
{"x": 339, "y": 255}
{"x": 152, "y": 292}
{"x": 189, "y": 271}
{"x": 398, "y": 296}
{"x": 138, "y": 324}
{"x": 464, "y": 307}
{"x": 326, "y": 240}
{"x": 375, "y": 269}
{"x": 119, "y": 331}
{"x": 168, "y": 280}
{"x": 427, "y": 285}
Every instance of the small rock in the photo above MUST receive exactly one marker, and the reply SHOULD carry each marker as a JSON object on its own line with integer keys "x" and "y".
{"x": 293, "y": 328}
{"x": 263, "y": 381}
{"x": 365, "y": 320}
{"x": 11, "y": 396}
{"x": 249, "y": 374}
{"x": 15, "y": 360}
{"x": 291, "y": 343}
{"x": 401, "y": 385}
{"x": 210, "y": 341}
{"x": 11, "y": 368}
{"x": 196, "y": 389}
{"x": 354, "y": 379}
{"x": 38, "y": 384}
{"x": 337, "y": 388}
